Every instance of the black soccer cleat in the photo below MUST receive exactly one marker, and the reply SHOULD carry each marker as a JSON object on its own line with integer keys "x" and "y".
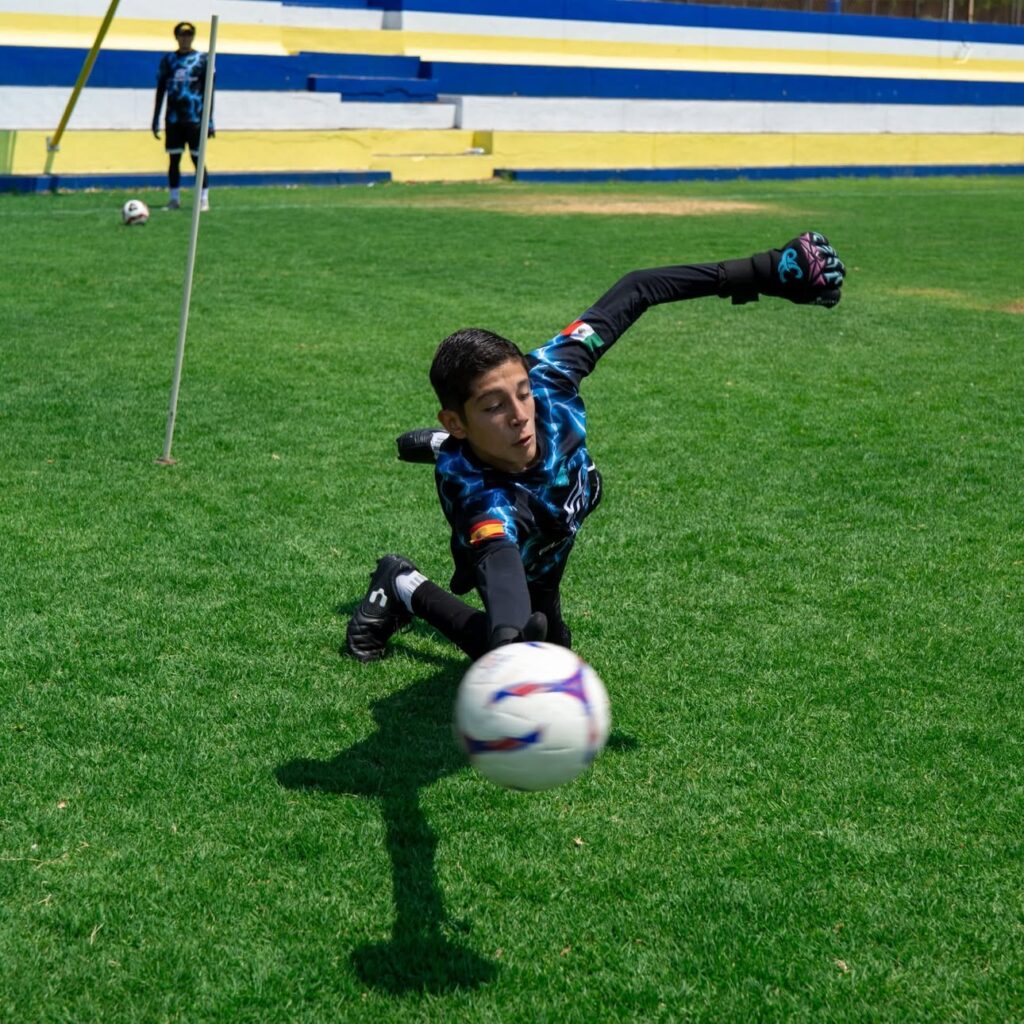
{"x": 380, "y": 613}
{"x": 420, "y": 445}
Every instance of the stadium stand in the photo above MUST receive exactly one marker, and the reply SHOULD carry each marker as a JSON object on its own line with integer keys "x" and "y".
{"x": 318, "y": 90}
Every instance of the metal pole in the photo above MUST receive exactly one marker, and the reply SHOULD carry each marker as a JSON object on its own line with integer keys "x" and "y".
{"x": 186, "y": 298}
{"x": 53, "y": 144}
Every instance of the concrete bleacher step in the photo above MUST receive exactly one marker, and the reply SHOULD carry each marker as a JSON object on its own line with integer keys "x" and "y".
{"x": 369, "y": 89}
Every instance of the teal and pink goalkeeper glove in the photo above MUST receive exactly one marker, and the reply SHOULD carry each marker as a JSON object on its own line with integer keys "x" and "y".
{"x": 806, "y": 270}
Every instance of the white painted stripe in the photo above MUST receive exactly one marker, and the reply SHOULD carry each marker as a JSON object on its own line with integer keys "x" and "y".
{"x": 237, "y": 12}
{"x": 331, "y": 17}
{"x": 395, "y": 115}
{"x": 250, "y": 11}
{"x": 40, "y": 109}
{"x": 499, "y": 113}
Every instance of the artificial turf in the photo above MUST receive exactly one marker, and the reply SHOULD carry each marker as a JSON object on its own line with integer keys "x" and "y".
{"x": 802, "y": 590}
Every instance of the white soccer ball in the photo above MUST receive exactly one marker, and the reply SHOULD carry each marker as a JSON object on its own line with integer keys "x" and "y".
{"x": 134, "y": 212}
{"x": 531, "y": 715}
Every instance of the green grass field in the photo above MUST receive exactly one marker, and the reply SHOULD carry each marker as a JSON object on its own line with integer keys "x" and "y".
{"x": 803, "y": 592}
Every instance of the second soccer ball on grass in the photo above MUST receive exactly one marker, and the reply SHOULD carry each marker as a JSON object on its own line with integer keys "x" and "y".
{"x": 134, "y": 213}
{"x": 531, "y": 715}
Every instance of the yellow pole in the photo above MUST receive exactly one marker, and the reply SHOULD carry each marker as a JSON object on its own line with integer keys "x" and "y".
{"x": 53, "y": 145}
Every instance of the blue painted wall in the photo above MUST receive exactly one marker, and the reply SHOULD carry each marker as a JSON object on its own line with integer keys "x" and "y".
{"x": 36, "y": 66}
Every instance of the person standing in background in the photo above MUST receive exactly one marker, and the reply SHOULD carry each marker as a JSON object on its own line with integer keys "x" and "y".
{"x": 182, "y": 79}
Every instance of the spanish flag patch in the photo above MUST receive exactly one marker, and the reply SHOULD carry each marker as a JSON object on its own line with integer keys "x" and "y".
{"x": 485, "y": 530}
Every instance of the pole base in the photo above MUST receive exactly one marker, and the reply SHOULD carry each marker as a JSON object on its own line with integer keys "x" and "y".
{"x": 165, "y": 461}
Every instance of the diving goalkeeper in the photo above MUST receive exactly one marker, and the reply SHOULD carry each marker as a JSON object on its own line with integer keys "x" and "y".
{"x": 513, "y": 473}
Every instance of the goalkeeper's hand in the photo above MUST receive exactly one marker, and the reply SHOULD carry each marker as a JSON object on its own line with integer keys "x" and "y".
{"x": 806, "y": 271}
{"x": 535, "y": 631}
{"x": 156, "y": 129}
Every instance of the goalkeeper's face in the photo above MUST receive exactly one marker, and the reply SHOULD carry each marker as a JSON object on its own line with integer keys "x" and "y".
{"x": 498, "y": 418}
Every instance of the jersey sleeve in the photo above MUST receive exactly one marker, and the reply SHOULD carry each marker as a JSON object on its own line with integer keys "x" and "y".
{"x": 571, "y": 354}
{"x": 486, "y": 531}
{"x": 576, "y": 349}
{"x": 485, "y": 521}
{"x": 478, "y": 509}
{"x": 631, "y": 296}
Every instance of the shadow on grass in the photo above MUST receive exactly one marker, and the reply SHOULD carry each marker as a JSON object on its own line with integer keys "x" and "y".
{"x": 412, "y": 748}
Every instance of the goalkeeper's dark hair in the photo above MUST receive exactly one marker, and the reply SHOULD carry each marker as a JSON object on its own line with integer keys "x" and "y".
{"x": 462, "y": 357}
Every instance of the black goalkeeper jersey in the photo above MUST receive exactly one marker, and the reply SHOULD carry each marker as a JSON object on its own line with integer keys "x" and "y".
{"x": 183, "y": 77}
{"x": 540, "y": 510}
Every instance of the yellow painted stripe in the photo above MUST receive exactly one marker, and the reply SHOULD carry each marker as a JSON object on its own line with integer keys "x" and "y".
{"x": 103, "y": 152}
{"x": 582, "y": 150}
{"x": 440, "y": 155}
{"x": 417, "y": 142}
{"x": 132, "y": 34}
{"x": 435, "y": 168}
{"x": 232, "y": 37}
{"x": 338, "y": 40}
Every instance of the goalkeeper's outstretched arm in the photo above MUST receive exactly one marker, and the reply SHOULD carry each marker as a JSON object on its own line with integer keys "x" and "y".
{"x": 806, "y": 270}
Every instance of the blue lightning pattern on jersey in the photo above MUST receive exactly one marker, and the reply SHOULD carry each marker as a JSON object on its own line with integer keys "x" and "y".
{"x": 183, "y": 75}
{"x": 541, "y": 509}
